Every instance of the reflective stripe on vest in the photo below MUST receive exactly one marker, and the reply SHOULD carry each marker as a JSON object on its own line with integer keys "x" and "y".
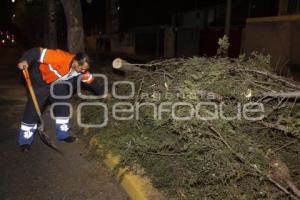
{"x": 43, "y": 55}
{"x": 54, "y": 71}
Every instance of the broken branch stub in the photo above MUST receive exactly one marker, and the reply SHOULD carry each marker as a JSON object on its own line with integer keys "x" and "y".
{"x": 123, "y": 65}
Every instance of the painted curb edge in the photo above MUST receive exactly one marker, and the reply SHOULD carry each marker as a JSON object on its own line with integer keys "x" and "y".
{"x": 137, "y": 187}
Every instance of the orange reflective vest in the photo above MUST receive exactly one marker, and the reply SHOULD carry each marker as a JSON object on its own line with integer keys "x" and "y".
{"x": 56, "y": 64}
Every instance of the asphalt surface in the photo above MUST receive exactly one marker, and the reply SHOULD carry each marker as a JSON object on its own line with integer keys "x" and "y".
{"x": 42, "y": 173}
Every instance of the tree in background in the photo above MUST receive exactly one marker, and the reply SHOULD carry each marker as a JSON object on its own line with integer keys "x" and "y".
{"x": 38, "y": 21}
{"x": 75, "y": 31}
{"x": 52, "y": 31}
{"x": 29, "y": 19}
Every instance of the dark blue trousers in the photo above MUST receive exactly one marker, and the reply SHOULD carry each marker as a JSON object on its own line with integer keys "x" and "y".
{"x": 42, "y": 91}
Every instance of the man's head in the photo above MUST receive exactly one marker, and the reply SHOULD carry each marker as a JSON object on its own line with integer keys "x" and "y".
{"x": 81, "y": 62}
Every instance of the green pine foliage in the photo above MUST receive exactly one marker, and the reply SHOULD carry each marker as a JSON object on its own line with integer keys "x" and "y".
{"x": 186, "y": 159}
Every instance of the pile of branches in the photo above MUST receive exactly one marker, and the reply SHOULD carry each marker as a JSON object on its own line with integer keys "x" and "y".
{"x": 227, "y": 157}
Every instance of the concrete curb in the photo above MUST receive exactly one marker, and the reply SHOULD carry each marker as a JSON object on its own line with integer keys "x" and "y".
{"x": 137, "y": 187}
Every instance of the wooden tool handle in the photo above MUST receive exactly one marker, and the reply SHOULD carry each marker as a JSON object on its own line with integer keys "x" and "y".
{"x": 32, "y": 93}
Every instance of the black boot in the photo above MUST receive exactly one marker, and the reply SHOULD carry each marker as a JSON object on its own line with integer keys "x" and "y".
{"x": 69, "y": 139}
{"x": 25, "y": 147}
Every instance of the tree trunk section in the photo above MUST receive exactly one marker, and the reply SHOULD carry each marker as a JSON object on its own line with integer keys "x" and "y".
{"x": 228, "y": 17}
{"x": 73, "y": 13}
{"x": 52, "y": 37}
{"x": 123, "y": 65}
{"x": 283, "y": 6}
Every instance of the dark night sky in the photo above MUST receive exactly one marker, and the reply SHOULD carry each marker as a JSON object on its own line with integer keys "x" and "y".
{"x": 5, "y": 10}
{"x": 93, "y": 14}
{"x": 158, "y": 11}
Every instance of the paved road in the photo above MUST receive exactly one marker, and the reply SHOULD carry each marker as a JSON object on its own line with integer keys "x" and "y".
{"x": 43, "y": 174}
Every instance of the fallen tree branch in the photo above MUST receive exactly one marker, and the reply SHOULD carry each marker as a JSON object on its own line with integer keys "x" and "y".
{"x": 275, "y": 126}
{"x": 286, "y": 145}
{"x": 270, "y": 75}
{"x": 240, "y": 157}
{"x": 281, "y": 128}
{"x": 282, "y": 101}
{"x": 166, "y": 154}
{"x": 266, "y": 83}
{"x": 260, "y": 86}
{"x": 294, "y": 188}
{"x": 289, "y": 95}
{"x": 140, "y": 89}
